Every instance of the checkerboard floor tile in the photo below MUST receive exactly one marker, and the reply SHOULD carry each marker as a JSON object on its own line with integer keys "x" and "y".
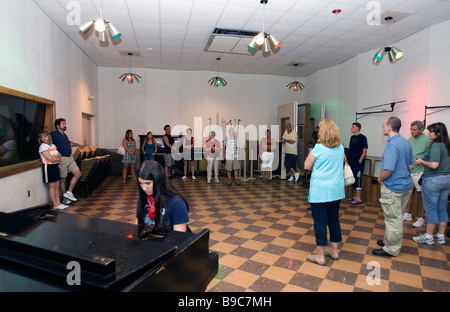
{"x": 264, "y": 232}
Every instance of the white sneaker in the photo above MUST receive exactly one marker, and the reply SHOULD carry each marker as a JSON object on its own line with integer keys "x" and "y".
{"x": 69, "y": 196}
{"x": 407, "y": 217}
{"x": 419, "y": 223}
{"x": 61, "y": 207}
{"x": 209, "y": 181}
{"x": 291, "y": 179}
{"x": 217, "y": 181}
{"x": 183, "y": 178}
{"x": 440, "y": 239}
{"x": 194, "y": 178}
{"x": 423, "y": 239}
{"x": 297, "y": 175}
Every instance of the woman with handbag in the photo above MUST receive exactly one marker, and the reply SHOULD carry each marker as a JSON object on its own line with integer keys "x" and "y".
{"x": 129, "y": 159}
{"x": 326, "y": 190}
{"x": 435, "y": 184}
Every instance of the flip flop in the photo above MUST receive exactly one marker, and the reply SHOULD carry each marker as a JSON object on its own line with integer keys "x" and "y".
{"x": 356, "y": 202}
{"x": 327, "y": 254}
{"x": 312, "y": 258}
{"x": 351, "y": 199}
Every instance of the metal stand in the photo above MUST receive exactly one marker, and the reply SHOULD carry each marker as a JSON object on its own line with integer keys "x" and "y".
{"x": 433, "y": 107}
{"x": 392, "y": 104}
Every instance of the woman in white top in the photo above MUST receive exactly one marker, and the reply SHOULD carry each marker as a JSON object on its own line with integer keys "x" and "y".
{"x": 212, "y": 148}
{"x": 50, "y": 169}
{"x": 267, "y": 148}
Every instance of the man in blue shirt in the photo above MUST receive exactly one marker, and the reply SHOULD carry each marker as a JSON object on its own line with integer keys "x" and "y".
{"x": 67, "y": 163}
{"x": 396, "y": 186}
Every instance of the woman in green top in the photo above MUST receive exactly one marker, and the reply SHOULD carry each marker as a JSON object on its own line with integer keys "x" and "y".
{"x": 436, "y": 184}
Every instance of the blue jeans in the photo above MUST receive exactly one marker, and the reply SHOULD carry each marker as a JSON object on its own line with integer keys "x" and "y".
{"x": 149, "y": 157}
{"x": 435, "y": 192}
{"x": 326, "y": 214}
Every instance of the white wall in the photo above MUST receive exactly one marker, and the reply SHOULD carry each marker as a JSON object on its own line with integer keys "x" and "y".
{"x": 421, "y": 77}
{"x": 36, "y": 57}
{"x": 176, "y": 97}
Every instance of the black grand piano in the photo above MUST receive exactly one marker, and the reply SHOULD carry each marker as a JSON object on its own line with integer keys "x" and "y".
{"x": 48, "y": 250}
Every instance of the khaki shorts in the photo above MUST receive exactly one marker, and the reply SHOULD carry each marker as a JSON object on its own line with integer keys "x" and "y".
{"x": 168, "y": 160}
{"x": 232, "y": 164}
{"x": 66, "y": 165}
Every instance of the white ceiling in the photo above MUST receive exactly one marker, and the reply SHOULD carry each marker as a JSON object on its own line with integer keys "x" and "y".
{"x": 177, "y": 31}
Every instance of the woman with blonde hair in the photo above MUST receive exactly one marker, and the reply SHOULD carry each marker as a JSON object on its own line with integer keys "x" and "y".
{"x": 50, "y": 168}
{"x": 326, "y": 190}
{"x": 212, "y": 148}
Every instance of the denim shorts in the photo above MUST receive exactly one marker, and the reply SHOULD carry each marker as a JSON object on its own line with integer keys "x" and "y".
{"x": 435, "y": 191}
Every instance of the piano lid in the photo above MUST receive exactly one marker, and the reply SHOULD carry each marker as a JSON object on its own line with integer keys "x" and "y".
{"x": 107, "y": 251}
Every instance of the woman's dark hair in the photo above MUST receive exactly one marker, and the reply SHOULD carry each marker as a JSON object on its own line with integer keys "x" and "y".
{"x": 440, "y": 130}
{"x": 162, "y": 189}
{"x": 127, "y": 133}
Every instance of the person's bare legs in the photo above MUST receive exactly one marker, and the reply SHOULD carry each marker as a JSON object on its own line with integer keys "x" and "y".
{"x": 74, "y": 180}
{"x": 53, "y": 188}
{"x": 124, "y": 172}
{"x": 133, "y": 171}
{"x": 334, "y": 249}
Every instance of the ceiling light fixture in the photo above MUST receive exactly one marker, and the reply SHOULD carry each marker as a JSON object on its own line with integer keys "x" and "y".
{"x": 394, "y": 53}
{"x": 217, "y": 81}
{"x": 262, "y": 38}
{"x": 130, "y": 76}
{"x": 100, "y": 25}
{"x": 295, "y": 85}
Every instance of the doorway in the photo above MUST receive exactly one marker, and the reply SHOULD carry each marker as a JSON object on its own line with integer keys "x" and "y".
{"x": 86, "y": 128}
{"x": 298, "y": 115}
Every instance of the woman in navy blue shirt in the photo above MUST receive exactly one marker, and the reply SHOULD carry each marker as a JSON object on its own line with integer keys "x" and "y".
{"x": 159, "y": 204}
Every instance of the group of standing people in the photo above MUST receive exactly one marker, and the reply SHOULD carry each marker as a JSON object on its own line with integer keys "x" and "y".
{"x": 404, "y": 164}
{"x": 55, "y": 150}
{"x": 215, "y": 151}
{"x": 401, "y": 165}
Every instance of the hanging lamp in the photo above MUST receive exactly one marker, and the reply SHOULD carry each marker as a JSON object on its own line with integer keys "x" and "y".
{"x": 295, "y": 85}
{"x": 262, "y": 38}
{"x": 130, "y": 76}
{"x": 394, "y": 53}
{"x": 217, "y": 81}
{"x": 100, "y": 26}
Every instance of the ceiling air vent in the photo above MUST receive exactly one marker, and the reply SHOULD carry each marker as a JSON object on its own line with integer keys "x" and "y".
{"x": 230, "y": 41}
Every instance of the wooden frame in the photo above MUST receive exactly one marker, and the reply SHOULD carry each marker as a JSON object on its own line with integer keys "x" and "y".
{"x": 50, "y": 113}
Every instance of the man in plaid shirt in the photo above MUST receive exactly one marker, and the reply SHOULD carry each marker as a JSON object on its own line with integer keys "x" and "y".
{"x": 231, "y": 152}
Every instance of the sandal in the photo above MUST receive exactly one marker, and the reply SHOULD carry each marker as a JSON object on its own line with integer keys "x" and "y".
{"x": 312, "y": 258}
{"x": 351, "y": 199}
{"x": 356, "y": 202}
{"x": 328, "y": 254}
